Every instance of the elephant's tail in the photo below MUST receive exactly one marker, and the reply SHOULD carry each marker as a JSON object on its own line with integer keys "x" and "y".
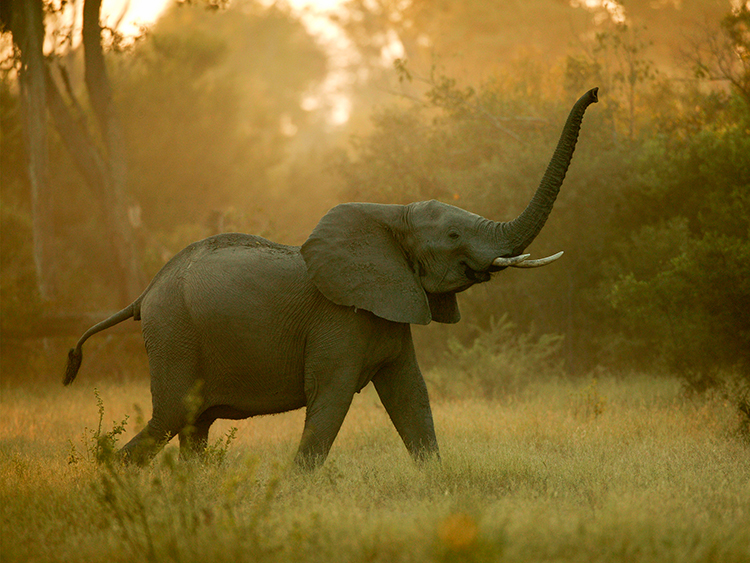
{"x": 75, "y": 355}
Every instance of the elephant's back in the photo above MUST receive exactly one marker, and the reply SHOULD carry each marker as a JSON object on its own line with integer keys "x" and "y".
{"x": 237, "y": 271}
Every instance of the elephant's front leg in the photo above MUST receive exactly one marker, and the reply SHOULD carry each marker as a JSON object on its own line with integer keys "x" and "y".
{"x": 403, "y": 392}
{"x": 328, "y": 400}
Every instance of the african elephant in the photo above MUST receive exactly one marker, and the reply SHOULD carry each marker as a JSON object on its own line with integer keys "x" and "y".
{"x": 255, "y": 327}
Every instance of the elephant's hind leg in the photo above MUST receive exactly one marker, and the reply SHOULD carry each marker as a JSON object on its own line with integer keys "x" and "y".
{"x": 147, "y": 443}
{"x": 176, "y": 391}
{"x": 194, "y": 437}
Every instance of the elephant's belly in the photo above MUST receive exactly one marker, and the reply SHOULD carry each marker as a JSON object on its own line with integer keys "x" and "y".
{"x": 253, "y": 379}
{"x": 229, "y": 412}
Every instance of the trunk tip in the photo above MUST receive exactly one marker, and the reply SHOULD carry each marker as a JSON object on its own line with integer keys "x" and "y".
{"x": 594, "y": 93}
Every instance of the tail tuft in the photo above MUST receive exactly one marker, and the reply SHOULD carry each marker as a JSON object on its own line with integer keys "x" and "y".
{"x": 75, "y": 357}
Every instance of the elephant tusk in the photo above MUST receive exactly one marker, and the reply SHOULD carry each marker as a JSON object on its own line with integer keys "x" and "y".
{"x": 512, "y": 261}
{"x": 539, "y": 262}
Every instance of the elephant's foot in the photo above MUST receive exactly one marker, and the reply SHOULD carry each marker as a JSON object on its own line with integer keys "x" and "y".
{"x": 144, "y": 446}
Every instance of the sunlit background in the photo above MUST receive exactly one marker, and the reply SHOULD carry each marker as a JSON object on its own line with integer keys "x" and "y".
{"x": 259, "y": 117}
{"x": 596, "y": 409}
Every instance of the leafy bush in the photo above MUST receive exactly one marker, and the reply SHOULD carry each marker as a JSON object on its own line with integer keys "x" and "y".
{"x": 20, "y": 297}
{"x": 680, "y": 286}
{"x": 499, "y": 360}
{"x": 20, "y": 303}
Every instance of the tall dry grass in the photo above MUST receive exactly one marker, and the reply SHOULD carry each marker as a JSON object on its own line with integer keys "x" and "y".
{"x": 614, "y": 470}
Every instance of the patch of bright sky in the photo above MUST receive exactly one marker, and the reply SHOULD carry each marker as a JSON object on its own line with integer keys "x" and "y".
{"x": 333, "y": 92}
{"x": 139, "y": 12}
{"x": 616, "y": 11}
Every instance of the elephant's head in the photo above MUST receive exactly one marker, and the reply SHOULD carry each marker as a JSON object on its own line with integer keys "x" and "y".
{"x": 405, "y": 263}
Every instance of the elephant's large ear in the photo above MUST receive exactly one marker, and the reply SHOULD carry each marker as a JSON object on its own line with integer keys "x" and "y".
{"x": 354, "y": 259}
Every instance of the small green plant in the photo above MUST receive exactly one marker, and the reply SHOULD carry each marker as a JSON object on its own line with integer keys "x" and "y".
{"x": 736, "y": 390}
{"x": 588, "y": 403}
{"x": 98, "y": 447}
{"x": 216, "y": 452}
{"x": 165, "y": 511}
{"x": 499, "y": 360}
{"x": 171, "y": 510}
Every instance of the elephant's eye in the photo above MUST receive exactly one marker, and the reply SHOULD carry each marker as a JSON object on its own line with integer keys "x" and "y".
{"x": 454, "y": 235}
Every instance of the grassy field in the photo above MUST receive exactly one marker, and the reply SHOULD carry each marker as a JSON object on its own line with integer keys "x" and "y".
{"x": 614, "y": 470}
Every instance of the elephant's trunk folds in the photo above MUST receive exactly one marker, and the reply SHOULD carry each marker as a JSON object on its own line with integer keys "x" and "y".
{"x": 520, "y": 232}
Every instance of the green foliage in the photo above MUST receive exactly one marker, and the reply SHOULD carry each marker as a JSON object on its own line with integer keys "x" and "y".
{"x": 724, "y": 55}
{"x": 681, "y": 281}
{"x": 498, "y": 361}
{"x": 217, "y": 451}
{"x": 619, "y": 63}
{"x": 460, "y": 145}
{"x": 162, "y": 513}
{"x": 159, "y": 511}
{"x": 20, "y": 302}
{"x": 99, "y": 447}
{"x": 20, "y": 297}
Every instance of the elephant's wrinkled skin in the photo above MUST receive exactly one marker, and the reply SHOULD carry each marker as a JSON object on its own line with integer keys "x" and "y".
{"x": 238, "y": 326}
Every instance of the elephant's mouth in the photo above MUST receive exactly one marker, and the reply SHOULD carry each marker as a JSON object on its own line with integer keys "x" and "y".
{"x": 476, "y": 276}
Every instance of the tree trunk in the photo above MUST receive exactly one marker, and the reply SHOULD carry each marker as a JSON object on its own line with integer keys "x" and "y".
{"x": 113, "y": 190}
{"x": 104, "y": 170}
{"x": 27, "y": 26}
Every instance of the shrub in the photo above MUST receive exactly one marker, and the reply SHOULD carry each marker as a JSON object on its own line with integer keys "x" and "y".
{"x": 499, "y": 360}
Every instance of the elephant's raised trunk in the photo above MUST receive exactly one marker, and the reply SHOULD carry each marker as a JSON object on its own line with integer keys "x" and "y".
{"x": 519, "y": 233}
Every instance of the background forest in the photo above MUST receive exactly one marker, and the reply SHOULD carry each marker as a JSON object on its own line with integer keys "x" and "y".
{"x": 238, "y": 117}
